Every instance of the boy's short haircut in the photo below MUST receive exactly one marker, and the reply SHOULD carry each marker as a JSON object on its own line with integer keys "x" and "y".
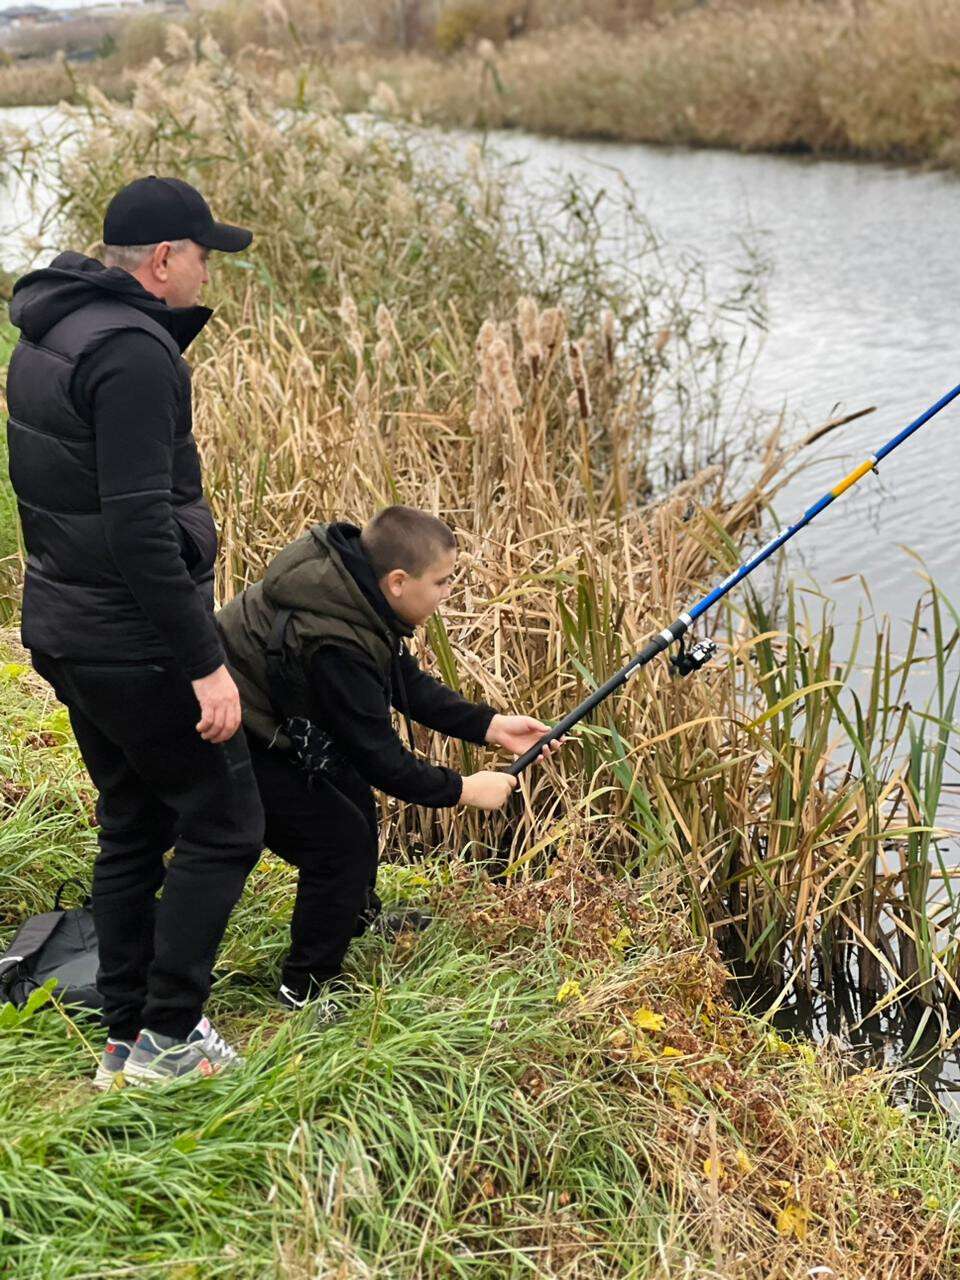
{"x": 404, "y": 538}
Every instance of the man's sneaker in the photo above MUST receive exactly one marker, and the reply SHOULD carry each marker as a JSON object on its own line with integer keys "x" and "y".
{"x": 112, "y": 1062}
{"x": 156, "y": 1057}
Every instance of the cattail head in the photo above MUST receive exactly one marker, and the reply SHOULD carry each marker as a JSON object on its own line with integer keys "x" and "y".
{"x": 608, "y": 330}
{"x": 508, "y": 393}
{"x": 486, "y": 335}
{"x": 553, "y": 326}
{"x": 351, "y": 322}
{"x": 178, "y": 43}
{"x": 384, "y": 101}
{"x": 578, "y": 375}
{"x": 348, "y": 313}
{"x": 385, "y": 326}
{"x": 528, "y": 323}
{"x": 210, "y": 50}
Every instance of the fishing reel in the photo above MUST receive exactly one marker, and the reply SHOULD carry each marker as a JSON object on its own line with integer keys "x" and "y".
{"x": 686, "y": 661}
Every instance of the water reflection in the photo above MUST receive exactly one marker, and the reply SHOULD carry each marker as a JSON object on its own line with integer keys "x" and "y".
{"x": 907, "y": 1039}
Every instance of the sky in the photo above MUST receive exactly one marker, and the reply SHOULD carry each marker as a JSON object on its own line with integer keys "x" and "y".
{"x": 55, "y": 4}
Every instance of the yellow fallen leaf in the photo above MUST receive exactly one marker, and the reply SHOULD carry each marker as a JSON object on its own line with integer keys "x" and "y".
{"x": 623, "y": 940}
{"x": 744, "y": 1163}
{"x": 713, "y": 1168}
{"x": 670, "y": 1052}
{"x": 777, "y": 1044}
{"x": 569, "y": 990}
{"x": 830, "y": 1166}
{"x": 678, "y": 1096}
{"x": 646, "y": 1020}
{"x": 792, "y": 1220}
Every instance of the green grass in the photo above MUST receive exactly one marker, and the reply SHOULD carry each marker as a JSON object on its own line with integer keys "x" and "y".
{"x": 461, "y": 1120}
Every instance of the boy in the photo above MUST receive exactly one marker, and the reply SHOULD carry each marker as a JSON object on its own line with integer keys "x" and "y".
{"x": 317, "y": 650}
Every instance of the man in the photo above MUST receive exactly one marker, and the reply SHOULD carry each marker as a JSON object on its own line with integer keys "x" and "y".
{"x": 118, "y": 610}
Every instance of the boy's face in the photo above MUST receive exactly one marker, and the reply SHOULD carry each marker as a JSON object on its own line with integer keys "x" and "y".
{"x": 417, "y": 599}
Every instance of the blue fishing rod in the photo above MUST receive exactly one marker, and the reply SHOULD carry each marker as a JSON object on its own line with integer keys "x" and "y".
{"x": 689, "y": 660}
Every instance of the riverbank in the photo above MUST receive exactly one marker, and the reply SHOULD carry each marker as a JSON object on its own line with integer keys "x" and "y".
{"x": 550, "y": 1078}
{"x": 869, "y": 80}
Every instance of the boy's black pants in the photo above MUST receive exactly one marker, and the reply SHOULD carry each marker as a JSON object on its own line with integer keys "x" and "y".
{"x": 330, "y": 835}
{"x": 160, "y": 787}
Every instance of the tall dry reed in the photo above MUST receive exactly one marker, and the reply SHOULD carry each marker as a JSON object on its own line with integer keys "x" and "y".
{"x": 387, "y": 340}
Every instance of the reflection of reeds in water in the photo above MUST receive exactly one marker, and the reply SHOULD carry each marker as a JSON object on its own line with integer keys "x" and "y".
{"x": 344, "y": 371}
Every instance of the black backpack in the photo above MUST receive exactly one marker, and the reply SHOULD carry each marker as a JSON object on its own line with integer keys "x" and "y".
{"x": 60, "y": 944}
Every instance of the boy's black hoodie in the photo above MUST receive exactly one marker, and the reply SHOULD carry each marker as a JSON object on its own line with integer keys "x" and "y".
{"x": 350, "y": 644}
{"x": 351, "y": 703}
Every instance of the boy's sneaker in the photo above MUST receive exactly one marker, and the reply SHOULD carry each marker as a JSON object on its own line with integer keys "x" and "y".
{"x": 326, "y": 1011}
{"x": 155, "y": 1057}
{"x": 291, "y": 999}
{"x": 112, "y": 1062}
{"x": 392, "y": 921}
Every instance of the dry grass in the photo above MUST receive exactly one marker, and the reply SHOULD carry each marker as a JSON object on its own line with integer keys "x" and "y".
{"x": 871, "y": 79}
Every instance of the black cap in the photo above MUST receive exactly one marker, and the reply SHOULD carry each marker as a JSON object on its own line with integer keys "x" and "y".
{"x": 153, "y": 209}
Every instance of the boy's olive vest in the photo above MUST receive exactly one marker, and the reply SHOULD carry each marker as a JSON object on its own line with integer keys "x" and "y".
{"x": 308, "y": 577}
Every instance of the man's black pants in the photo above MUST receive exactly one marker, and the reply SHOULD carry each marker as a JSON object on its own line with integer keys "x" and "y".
{"x": 330, "y": 835}
{"x": 160, "y": 787}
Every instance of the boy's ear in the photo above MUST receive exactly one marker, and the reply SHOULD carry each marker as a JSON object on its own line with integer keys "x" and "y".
{"x": 391, "y": 584}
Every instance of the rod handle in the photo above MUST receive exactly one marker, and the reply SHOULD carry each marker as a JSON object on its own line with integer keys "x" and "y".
{"x": 656, "y": 645}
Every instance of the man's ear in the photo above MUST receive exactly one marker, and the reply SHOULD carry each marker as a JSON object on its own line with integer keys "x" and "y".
{"x": 158, "y": 260}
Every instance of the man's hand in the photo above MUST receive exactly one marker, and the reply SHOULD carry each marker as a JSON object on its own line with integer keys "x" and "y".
{"x": 487, "y": 789}
{"x": 219, "y": 706}
{"x": 519, "y": 733}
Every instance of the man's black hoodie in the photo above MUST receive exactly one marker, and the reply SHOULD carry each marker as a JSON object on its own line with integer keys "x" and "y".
{"x": 136, "y": 399}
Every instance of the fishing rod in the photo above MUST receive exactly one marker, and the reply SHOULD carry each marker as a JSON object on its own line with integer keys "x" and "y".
{"x": 689, "y": 660}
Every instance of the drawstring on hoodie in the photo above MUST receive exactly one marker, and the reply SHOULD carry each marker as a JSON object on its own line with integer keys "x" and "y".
{"x": 397, "y": 673}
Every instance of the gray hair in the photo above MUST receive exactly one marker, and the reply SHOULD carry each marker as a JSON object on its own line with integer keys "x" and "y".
{"x": 132, "y": 256}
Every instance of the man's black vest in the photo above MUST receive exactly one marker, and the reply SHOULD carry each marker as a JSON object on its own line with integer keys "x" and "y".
{"x": 76, "y": 604}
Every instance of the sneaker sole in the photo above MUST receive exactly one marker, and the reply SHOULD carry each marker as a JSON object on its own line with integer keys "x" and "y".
{"x": 106, "y": 1080}
{"x": 145, "y": 1076}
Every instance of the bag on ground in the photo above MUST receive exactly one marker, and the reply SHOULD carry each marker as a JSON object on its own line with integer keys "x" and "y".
{"x": 59, "y": 944}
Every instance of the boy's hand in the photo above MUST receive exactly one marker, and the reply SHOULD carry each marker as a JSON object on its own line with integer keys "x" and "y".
{"x": 487, "y": 789}
{"x": 519, "y": 733}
